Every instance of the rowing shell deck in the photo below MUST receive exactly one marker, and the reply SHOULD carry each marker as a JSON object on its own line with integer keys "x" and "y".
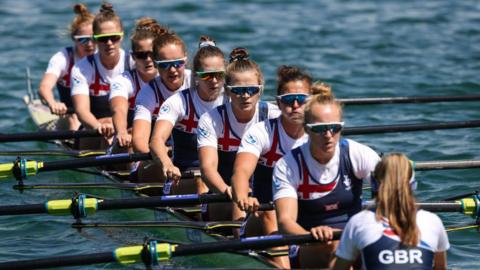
{"x": 45, "y": 121}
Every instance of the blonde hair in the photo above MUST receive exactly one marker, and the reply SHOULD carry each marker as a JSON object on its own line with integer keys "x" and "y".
{"x": 321, "y": 88}
{"x": 240, "y": 62}
{"x": 106, "y": 14}
{"x": 395, "y": 200}
{"x": 83, "y": 17}
{"x": 207, "y": 48}
{"x": 322, "y": 98}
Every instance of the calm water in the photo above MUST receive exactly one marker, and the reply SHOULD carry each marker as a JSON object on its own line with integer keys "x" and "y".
{"x": 363, "y": 48}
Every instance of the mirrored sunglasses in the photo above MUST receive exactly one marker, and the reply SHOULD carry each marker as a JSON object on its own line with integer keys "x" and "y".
{"x": 210, "y": 75}
{"x": 83, "y": 39}
{"x": 247, "y": 89}
{"x": 333, "y": 127}
{"x": 142, "y": 55}
{"x": 104, "y": 38}
{"x": 167, "y": 64}
{"x": 289, "y": 99}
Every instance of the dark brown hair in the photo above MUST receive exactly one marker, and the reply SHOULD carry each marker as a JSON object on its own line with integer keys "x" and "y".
{"x": 106, "y": 14}
{"x": 240, "y": 62}
{"x": 146, "y": 28}
{"x": 207, "y": 48}
{"x": 286, "y": 74}
{"x": 167, "y": 38}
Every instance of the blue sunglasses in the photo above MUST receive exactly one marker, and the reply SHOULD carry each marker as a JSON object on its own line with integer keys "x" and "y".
{"x": 322, "y": 128}
{"x": 289, "y": 99}
{"x": 84, "y": 39}
{"x": 242, "y": 90}
{"x": 167, "y": 64}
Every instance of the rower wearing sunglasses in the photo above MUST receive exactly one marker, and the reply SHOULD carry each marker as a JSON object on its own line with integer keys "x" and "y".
{"x": 92, "y": 75}
{"x": 179, "y": 115}
{"x": 61, "y": 63}
{"x": 319, "y": 183}
{"x": 170, "y": 58}
{"x": 125, "y": 87}
{"x": 221, "y": 129}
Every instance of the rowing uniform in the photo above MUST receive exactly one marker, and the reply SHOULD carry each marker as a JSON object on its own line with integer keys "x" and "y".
{"x": 268, "y": 141}
{"x": 328, "y": 194}
{"x": 380, "y": 247}
{"x": 61, "y": 65}
{"x": 183, "y": 110}
{"x": 219, "y": 128}
{"x": 127, "y": 85}
{"x": 152, "y": 96}
{"x": 90, "y": 77}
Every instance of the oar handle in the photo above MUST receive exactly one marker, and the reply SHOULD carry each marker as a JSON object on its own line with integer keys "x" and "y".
{"x": 409, "y": 127}
{"x": 86, "y": 259}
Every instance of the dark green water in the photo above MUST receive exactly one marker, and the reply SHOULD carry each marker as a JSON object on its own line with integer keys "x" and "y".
{"x": 363, "y": 48}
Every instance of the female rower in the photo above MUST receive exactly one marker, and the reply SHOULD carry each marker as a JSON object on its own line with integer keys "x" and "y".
{"x": 170, "y": 54}
{"x": 179, "y": 116}
{"x": 320, "y": 182}
{"x": 395, "y": 235}
{"x": 60, "y": 66}
{"x": 222, "y": 128}
{"x": 126, "y": 86}
{"x": 92, "y": 75}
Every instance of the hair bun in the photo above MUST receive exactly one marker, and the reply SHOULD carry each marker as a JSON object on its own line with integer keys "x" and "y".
{"x": 206, "y": 41}
{"x": 106, "y": 7}
{"x": 238, "y": 54}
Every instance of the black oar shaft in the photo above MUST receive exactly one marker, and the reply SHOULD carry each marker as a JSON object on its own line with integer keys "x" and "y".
{"x": 161, "y": 201}
{"x": 23, "y": 209}
{"x": 48, "y": 135}
{"x": 248, "y": 243}
{"x": 441, "y": 206}
{"x": 93, "y": 161}
{"x": 86, "y": 259}
{"x": 410, "y": 127}
{"x": 412, "y": 99}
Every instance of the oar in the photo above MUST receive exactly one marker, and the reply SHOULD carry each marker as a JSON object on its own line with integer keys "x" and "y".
{"x": 199, "y": 225}
{"x": 446, "y": 165}
{"x": 48, "y": 135}
{"x": 151, "y": 253}
{"x": 23, "y": 168}
{"x": 412, "y": 99}
{"x": 71, "y": 153}
{"x": 80, "y": 205}
{"x": 76, "y": 186}
{"x": 361, "y": 130}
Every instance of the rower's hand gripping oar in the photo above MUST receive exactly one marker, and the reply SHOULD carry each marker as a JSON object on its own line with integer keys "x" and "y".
{"x": 22, "y": 168}
{"x": 152, "y": 252}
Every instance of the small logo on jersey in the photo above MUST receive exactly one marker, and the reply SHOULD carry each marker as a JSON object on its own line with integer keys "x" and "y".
{"x": 347, "y": 182}
{"x": 331, "y": 207}
{"x": 165, "y": 108}
{"x": 203, "y": 132}
{"x": 115, "y": 86}
{"x": 75, "y": 80}
{"x": 251, "y": 139}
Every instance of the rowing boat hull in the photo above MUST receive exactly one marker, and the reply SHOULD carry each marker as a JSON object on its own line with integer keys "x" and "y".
{"x": 44, "y": 120}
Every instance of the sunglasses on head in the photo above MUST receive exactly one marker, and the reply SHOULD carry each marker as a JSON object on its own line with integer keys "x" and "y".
{"x": 167, "y": 64}
{"x": 333, "y": 127}
{"x": 289, "y": 99}
{"x": 210, "y": 75}
{"x": 142, "y": 55}
{"x": 241, "y": 90}
{"x": 104, "y": 38}
{"x": 83, "y": 39}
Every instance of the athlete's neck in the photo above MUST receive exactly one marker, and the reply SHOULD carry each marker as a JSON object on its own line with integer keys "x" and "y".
{"x": 243, "y": 116}
{"x": 319, "y": 155}
{"x": 293, "y": 130}
{"x": 146, "y": 77}
{"x": 109, "y": 62}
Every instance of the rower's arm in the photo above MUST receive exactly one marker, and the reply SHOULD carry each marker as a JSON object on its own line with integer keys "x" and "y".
{"x": 440, "y": 260}
{"x": 243, "y": 169}
{"x": 46, "y": 87}
{"x": 208, "y": 157}
{"x": 119, "y": 107}
{"x": 82, "y": 109}
{"x": 141, "y": 135}
{"x": 287, "y": 211}
{"x": 161, "y": 132}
